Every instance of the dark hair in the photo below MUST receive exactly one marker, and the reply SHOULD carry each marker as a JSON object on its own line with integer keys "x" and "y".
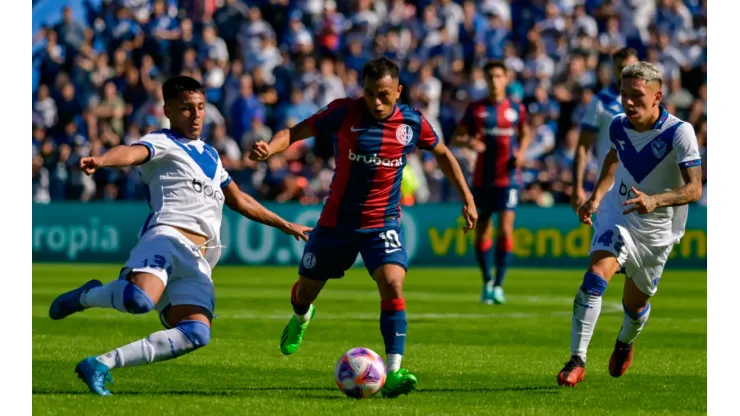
{"x": 173, "y": 87}
{"x": 493, "y": 64}
{"x": 624, "y": 53}
{"x": 379, "y": 68}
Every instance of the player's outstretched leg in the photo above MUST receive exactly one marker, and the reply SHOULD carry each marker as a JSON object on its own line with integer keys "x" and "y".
{"x": 586, "y": 309}
{"x": 483, "y": 248}
{"x": 302, "y": 295}
{"x": 136, "y": 295}
{"x": 192, "y": 330}
{"x": 504, "y": 245}
{"x": 393, "y": 327}
{"x": 636, "y": 313}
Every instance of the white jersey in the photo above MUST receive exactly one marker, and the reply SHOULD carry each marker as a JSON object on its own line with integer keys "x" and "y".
{"x": 599, "y": 114}
{"x": 184, "y": 180}
{"x": 650, "y": 161}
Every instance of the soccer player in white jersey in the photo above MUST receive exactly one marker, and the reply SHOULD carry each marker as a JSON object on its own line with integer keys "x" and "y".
{"x": 655, "y": 167}
{"x": 169, "y": 270}
{"x": 595, "y": 125}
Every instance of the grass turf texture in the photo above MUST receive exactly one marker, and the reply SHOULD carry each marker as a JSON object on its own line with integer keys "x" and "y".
{"x": 469, "y": 358}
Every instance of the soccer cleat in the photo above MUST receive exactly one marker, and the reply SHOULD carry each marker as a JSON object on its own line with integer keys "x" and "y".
{"x": 487, "y": 293}
{"x": 68, "y": 303}
{"x": 398, "y": 383}
{"x": 573, "y": 372}
{"x": 95, "y": 374}
{"x": 498, "y": 295}
{"x": 621, "y": 358}
{"x": 293, "y": 333}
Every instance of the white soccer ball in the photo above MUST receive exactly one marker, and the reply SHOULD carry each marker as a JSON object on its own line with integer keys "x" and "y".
{"x": 360, "y": 373}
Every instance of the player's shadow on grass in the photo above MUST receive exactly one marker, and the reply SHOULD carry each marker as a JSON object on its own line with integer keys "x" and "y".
{"x": 239, "y": 391}
{"x": 221, "y": 392}
{"x": 542, "y": 389}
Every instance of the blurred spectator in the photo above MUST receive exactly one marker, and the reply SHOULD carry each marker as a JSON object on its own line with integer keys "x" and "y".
{"x": 270, "y": 65}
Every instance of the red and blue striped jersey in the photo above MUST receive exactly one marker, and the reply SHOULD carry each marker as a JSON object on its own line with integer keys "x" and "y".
{"x": 370, "y": 156}
{"x": 499, "y": 125}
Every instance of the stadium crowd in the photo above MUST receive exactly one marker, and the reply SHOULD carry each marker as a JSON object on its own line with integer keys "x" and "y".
{"x": 269, "y": 64}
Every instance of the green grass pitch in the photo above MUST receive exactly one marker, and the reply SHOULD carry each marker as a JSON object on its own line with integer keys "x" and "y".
{"x": 469, "y": 358}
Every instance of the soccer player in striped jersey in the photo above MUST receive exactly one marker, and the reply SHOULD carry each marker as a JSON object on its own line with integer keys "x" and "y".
{"x": 496, "y": 128}
{"x": 372, "y": 137}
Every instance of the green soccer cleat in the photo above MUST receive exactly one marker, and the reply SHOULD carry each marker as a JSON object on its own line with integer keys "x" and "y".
{"x": 398, "y": 383}
{"x": 293, "y": 333}
{"x": 498, "y": 295}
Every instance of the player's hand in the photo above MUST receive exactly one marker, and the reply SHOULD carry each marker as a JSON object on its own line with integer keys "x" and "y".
{"x": 577, "y": 198}
{"x": 477, "y": 144}
{"x": 519, "y": 160}
{"x": 470, "y": 214}
{"x": 89, "y": 164}
{"x": 642, "y": 203}
{"x": 587, "y": 210}
{"x": 298, "y": 231}
{"x": 260, "y": 151}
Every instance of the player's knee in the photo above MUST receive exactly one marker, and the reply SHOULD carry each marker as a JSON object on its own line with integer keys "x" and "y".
{"x": 593, "y": 284}
{"x": 196, "y": 331}
{"x": 136, "y": 301}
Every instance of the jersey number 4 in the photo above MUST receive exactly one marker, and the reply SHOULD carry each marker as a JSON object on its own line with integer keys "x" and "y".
{"x": 607, "y": 239}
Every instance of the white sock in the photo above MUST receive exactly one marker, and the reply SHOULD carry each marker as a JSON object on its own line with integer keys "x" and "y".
{"x": 106, "y": 296}
{"x": 632, "y": 325}
{"x": 586, "y": 309}
{"x": 393, "y": 362}
{"x": 305, "y": 317}
{"x": 159, "y": 346}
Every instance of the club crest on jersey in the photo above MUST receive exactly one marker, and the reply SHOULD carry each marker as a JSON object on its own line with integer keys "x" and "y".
{"x": 658, "y": 148}
{"x": 404, "y": 134}
{"x": 309, "y": 260}
{"x": 511, "y": 115}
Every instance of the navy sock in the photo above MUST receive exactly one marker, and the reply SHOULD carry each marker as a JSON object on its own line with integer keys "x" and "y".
{"x": 485, "y": 259}
{"x": 503, "y": 257}
{"x": 298, "y": 308}
{"x": 393, "y": 325}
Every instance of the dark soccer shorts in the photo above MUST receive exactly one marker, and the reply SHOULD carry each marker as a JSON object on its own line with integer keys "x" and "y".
{"x": 495, "y": 199}
{"x": 331, "y": 251}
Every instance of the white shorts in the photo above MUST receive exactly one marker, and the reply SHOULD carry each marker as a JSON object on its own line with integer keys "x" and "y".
{"x": 642, "y": 263}
{"x": 166, "y": 253}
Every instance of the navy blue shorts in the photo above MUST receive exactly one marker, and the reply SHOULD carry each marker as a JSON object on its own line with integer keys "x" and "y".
{"x": 331, "y": 251}
{"x": 495, "y": 199}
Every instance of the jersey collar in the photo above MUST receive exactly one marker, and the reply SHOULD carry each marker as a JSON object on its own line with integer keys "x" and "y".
{"x": 658, "y": 123}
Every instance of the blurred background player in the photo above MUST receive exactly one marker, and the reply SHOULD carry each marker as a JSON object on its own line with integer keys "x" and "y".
{"x": 372, "y": 137}
{"x": 496, "y": 128}
{"x": 595, "y": 125}
{"x": 170, "y": 268}
{"x": 655, "y": 167}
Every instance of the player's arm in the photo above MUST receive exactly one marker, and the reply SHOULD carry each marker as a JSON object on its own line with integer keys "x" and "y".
{"x": 428, "y": 140}
{"x": 117, "y": 157}
{"x": 585, "y": 141}
{"x": 689, "y": 164}
{"x": 324, "y": 121}
{"x": 250, "y": 208}
{"x": 606, "y": 179}
{"x": 281, "y": 141}
{"x": 525, "y": 138}
{"x": 451, "y": 169}
{"x": 465, "y": 135}
{"x": 589, "y": 129}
